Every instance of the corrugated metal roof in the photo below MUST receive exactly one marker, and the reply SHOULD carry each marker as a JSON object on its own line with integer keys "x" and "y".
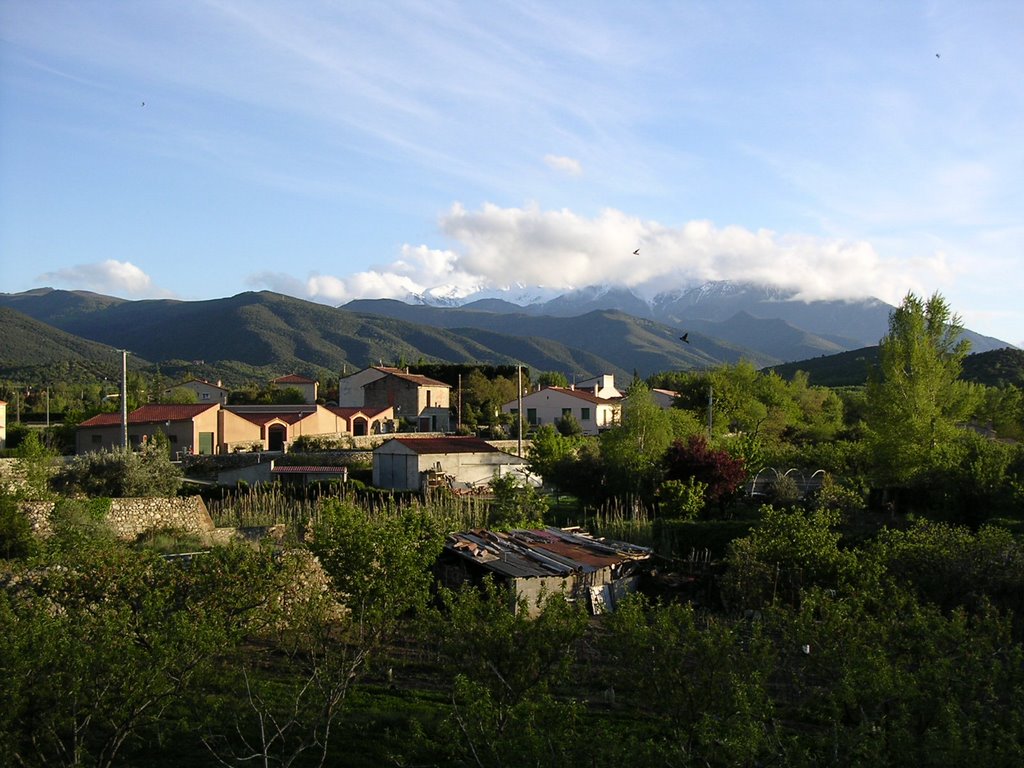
{"x": 547, "y": 552}
{"x": 309, "y": 470}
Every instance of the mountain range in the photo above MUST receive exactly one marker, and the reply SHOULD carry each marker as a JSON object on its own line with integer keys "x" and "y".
{"x": 259, "y": 335}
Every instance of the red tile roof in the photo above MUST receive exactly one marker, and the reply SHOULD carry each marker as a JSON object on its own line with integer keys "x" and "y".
{"x": 309, "y": 470}
{"x": 348, "y": 412}
{"x": 426, "y": 445}
{"x": 150, "y": 414}
{"x": 415, "y": 378}
{"x": 292, "y": 378}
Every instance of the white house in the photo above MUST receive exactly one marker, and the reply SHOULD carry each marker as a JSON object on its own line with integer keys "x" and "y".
{"x": 408, "y": 463}
{"x": 547, "y": 405}
{"x": 601, "y": 386}
{"x": 307, "y": 387}
{"x": 206, "y": 392}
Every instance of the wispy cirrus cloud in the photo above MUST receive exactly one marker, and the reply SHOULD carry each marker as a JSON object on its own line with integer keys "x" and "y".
{"x": 562, "y": 164}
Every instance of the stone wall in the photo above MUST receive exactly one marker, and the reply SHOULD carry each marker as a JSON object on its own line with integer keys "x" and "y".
{"x": 131, "y": 517}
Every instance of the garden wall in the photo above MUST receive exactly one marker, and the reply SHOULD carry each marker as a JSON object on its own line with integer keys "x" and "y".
{"x": 130, "y": 517}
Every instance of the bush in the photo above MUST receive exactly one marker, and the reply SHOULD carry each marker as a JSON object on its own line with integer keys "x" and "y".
{"x": 123, "y": 473}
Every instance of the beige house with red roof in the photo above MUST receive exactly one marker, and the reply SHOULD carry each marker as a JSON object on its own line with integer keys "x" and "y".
{"x": 205, "y": 391}
{"x": 404, "y": 463}
{"x": 189, "y": 428}
{"x": 365, "y": 421}
{"x": 3, "y": 423}
{"x": 275, "y": 427}
{"x": 547, "y": 405}
{"x": 416, "y": 399}
{"x": 307, "y": 387}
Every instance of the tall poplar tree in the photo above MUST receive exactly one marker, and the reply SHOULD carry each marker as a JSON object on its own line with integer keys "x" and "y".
{"x": 915, "y": 397}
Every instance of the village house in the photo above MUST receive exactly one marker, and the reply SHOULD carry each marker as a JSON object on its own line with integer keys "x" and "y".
{"x": 205, "y": 391}
{"x": 417, "y": 400}
{"x": 365, "y": 421}
{"x": 3, "y": 423}
{"x": 188, "y": 428}
{"x": 415, "y": 463}
{"x": 602, "y": 386}
{"x": 549, "y": 404}
{"x": 307, "y": 387}
{"x": 350, "y": 386}
{"x": 538, "y": 563}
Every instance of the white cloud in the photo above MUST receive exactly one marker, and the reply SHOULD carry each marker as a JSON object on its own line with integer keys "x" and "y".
{"x": 498, "y": 247}
{"x": 563, "y": 164}
{"x": 121, "y": 278}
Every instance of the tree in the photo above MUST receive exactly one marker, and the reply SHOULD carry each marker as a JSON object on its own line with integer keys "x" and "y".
{"x": 632, "y": 450}
{"x": 915, "y": 397}
{"x": 124, "y": 473}
{"x": 515, "y": 505}
{"x": 721, "y": 473}
{"x": 503, "y": 665}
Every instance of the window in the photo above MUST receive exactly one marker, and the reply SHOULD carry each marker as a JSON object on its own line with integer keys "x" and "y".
{"x": 206, "y": 395}
{"x": 566, "y": 413}
{"x": 584, "y": 414}
{"x": 531, "y": 416}
{"x": 514, "y": 411}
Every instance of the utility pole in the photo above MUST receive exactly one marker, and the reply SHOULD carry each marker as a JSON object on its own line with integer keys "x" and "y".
{"x": 519, "y": 414}
{"x": 459, "y": 407}
{"x": 124, "y": 399}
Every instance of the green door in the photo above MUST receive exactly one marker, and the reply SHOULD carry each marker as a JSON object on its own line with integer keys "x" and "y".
{"x": 205, "y": 443}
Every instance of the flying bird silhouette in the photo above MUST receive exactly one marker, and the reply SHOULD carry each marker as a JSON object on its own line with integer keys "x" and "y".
{"x": 636, "y": 252}
{"x": 937, "y": 56}
{"x": 685, "y": 337}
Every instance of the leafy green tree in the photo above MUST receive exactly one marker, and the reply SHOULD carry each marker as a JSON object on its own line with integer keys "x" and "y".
{"x": 504, "y": 666}
{"x": 36, "y": 468}
{"x": 788, "y": 551}
{"x": 568, "y": 426}
{"x": 721, "y": 473}
{"x": 16, "y": 537}
{"x": 552, "y": 379}
{"x": 124, "y": 473}
{"x": 633, "y": 449}
{"x": 915, "y": 398}
{"x": 181, "y": 396}
{"x": 515, "y": 505}
{"x": 699, "y": 683}
{"x": 99, "y": 643}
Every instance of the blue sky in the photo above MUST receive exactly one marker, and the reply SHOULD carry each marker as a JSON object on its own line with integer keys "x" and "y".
{"x": 338, "y": 150}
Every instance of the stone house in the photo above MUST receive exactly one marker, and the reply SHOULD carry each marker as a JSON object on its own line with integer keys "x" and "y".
{"x": 418, "y": 400}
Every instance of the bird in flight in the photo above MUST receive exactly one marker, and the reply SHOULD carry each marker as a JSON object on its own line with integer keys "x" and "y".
{"x": 937, "y": 56}
{"x": 636, "y": 252}
{"x": 685, "y": 337}
{"x": 143, "y": 104}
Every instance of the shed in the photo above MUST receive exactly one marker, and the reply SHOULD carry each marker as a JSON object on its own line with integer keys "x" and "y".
{"x": 404, "y": 463}
{"x": 535, "y": 563}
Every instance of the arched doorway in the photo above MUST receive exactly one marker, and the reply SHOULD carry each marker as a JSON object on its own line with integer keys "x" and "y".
{"x": 276, "y": 435}
{"x": 359, "y": 426}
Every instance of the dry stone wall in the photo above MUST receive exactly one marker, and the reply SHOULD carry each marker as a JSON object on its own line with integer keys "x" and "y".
{"x": 131, "y": 517}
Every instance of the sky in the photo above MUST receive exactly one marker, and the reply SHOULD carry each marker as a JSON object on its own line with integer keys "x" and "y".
{"x": 335, "y": 150}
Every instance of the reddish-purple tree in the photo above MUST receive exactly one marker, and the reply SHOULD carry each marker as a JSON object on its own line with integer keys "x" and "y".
{"x": 722, "y": 472}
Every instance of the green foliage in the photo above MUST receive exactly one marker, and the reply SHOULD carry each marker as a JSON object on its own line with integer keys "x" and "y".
{"x": 180, "y": 396}
{"x": 682, "y": 500}
{"x": 16, "y": 538}
{"x": 378, "y": 566}
{"x": 36, "y": 464}
{"x": 701, "y": 683}
{"x": 99, "y": 643}
{"x": 789, "y": 550}
{"x": 568, "y": 426}
{"x": 124, "y": 473}
{"x": 952, "y": 566}
{"x": 632, "y": 450}
{"x": 516, "y": 504}
{"x": 914, "y": 397}
{"x": 505, "y": 666}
